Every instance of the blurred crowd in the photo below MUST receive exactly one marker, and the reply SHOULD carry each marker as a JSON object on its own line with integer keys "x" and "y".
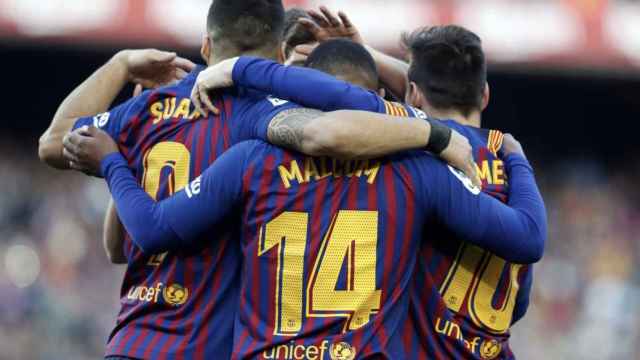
{"x": 59, "y": 295}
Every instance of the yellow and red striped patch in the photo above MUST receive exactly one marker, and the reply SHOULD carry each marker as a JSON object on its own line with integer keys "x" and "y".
{"x": 395, "y": 109}
{"x": 494, "y": 142}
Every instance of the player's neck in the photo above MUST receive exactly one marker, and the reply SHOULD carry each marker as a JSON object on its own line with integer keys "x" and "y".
{"x": 271, "y": 55}
{"x": 474, "y": 119}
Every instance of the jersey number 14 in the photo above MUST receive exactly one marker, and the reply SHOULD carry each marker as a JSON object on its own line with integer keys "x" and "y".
{"x": 352, "y": 240}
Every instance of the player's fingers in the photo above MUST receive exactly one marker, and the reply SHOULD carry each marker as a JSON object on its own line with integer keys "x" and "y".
{"x": 184, "y": 64}
{"x": 472, "y": 173}
{"x": 305, "y": 49}
{"x": 296, "y": 58}
{"x": 319, "y": 18}
{"x": 345, "y": 19}
{"x": 181, "y": 74}
{"x": 333, "y": 20}
{"x": 311, "y": 26}
{"x": 89, "y": 131}
{"x": 194, "y": 97}
{"x": 200, "y": 104}
{"x": 206, "y": 100}
{"x": 70, "y": 143}
{"x": 69, "y": 156}
{"x": 162, "y": 56}
{"x": 72, "y": 139}
{"x": 138, "y": 90}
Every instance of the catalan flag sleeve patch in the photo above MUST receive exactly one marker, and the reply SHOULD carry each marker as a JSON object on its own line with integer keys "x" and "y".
{"x": 494, "y": 141}
{"x": 395, "y": 109}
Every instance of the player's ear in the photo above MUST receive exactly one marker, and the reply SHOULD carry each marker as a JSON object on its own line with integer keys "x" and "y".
{"x": 414, "y": 96}
{"x": 382, "y": 92}
{"x": 486, "y": 96}
{"x": 205, "y": 49}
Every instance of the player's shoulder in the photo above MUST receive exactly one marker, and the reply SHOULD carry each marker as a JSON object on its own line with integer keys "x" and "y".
{"x": 401, "y": 109}
{"x": 153, "y": 100}
{"x": 490, "y": 138}
{"x": 183, "y": 86}
{"x": 249, "y": 97}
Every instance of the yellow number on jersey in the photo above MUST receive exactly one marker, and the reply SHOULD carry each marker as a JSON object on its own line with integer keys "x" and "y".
{"x": 288, "y": 234}
{"x": 461, "y": 281}
{"x": 353, "y": 236}
{"x": 174, "y": 156}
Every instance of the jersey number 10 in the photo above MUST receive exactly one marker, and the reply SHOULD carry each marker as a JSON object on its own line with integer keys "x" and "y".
{"x": 476, "y": 273}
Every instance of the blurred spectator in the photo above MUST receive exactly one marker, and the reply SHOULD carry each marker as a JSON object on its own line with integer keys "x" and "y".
{"x": 59, "y": 295}
{"x": 586, "y": 298}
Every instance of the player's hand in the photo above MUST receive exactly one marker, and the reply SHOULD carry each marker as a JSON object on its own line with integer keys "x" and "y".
{"x": 459, "y": 154}
{"x": 326, "y": 26}
{"x": 510, "y": 146}
{"x": 215, "y": 77}
{"x": 154, "y": 68}
{"x": 300, "y": 54}
{"x": 137, "y": 91}
{"x": 86, "y": 147}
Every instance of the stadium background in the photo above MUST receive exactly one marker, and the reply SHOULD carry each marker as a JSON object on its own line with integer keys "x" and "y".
{"x": 565, "y": 78}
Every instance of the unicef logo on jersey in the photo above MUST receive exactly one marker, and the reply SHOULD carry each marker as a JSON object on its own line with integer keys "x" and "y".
{"x": 101, "y": 120}
{"x": 464, "y": 179}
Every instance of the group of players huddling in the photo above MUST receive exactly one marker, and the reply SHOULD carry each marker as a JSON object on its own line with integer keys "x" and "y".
{"x": 270, "y": 211}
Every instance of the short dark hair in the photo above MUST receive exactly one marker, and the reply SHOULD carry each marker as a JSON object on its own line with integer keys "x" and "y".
{"x": 295, "y": 34}
{"x": 449, "y": 66}
{"x": 246, "y": 25}
{"x": 345, "y": 58}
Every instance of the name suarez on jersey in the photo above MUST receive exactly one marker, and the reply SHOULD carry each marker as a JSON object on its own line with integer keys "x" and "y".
{"x": 171, "y": 108}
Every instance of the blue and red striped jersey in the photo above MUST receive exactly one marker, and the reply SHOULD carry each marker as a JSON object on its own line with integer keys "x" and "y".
{"x": 180, "y": 304}
{"x": 464, "y": 299}
{"x": 332, "y": 94}
{"x": 329, "y": 246}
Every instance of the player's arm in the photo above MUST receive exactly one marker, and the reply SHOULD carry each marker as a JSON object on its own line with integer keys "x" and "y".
{"x": 175, "y": 222}
{"x": 359, "y": 135}
{"x": 151, "y": 68}
{"x": 307, "y": 87}
{"x": 516, "y": 232}
{"x": 113, "y": 236}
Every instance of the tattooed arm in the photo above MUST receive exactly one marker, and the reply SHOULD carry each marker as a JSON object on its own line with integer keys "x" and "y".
{"x": 331, "y": 134}
{"x": 315, "y": 133}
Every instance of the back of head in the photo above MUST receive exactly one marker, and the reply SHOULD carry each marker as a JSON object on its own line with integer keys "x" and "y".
{"x": 240, "y": 26}
{"x": 295, "y": 34}
{"x": 346, "y": 60}
{"x": 449, "y": 66}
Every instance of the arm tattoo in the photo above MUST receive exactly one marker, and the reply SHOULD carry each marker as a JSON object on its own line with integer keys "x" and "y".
{"x": 287, "y": 128}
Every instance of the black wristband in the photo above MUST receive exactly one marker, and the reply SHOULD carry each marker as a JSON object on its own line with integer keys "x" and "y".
{"x": 439, "y": 137}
